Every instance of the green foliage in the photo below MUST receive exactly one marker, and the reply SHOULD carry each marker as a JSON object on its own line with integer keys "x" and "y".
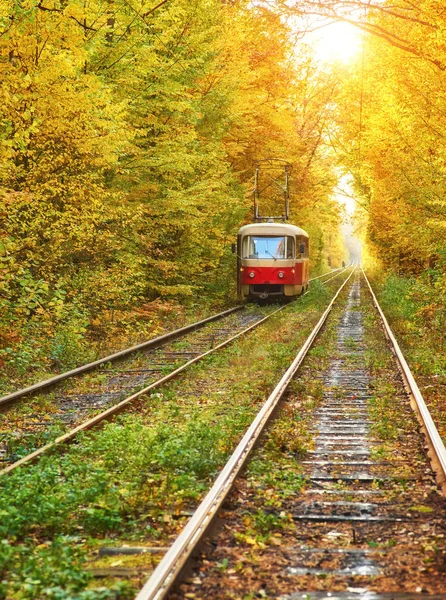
{"x": 127, "y": 146}
{"x": 50, "y": 571}
{"x": 396, "y": 297}
{"x": 104, "y": 493}
{"x": 265, "y": 522}
{"x": 136, "y": 467}
{"x": 416, "y": 310}
{"x": 68, "y": 346}
{"x": 286, "y": 482}
{"x": 38, "y": 574}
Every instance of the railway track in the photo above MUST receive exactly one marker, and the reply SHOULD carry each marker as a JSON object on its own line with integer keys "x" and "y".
{"x": 338, "y": 500}
{"x": 56, "y": 413}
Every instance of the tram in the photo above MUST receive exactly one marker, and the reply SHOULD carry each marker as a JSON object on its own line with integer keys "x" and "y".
{"x": 272, "y": 261}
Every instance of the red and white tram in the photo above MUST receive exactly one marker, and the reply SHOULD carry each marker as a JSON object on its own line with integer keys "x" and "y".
{"x": 272, "y": 261}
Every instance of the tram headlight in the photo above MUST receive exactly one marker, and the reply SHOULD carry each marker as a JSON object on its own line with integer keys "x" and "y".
{"x": 280, "y": 274}
{"x": 252, "y": 274}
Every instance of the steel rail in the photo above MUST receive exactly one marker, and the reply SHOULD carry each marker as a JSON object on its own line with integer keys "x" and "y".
{"x": 437, "y": 450}
{"x": 329, "y": 273}
{"x": 172, "y": 563}
{"x": 123, "y": 403}
{"x": 337, "y": 275}
{"x": 153, "y": 343}
{"x": 70, "y": 435}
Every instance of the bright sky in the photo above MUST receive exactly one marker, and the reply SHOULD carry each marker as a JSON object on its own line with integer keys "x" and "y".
{"x": 344, "y": 194}
{"x": 337, "y": 41}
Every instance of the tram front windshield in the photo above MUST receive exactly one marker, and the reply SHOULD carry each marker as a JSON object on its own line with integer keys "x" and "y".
{"x": 259, "y": 246}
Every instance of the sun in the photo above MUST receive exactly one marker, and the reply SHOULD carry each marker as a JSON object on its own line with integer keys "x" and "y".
{"x": 336, "y": 42}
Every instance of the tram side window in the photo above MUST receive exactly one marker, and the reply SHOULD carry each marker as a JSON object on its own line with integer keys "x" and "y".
{"x": 300, "y": 248}
{"x": 303, "y": 247}
{"x": 290, "y": 247}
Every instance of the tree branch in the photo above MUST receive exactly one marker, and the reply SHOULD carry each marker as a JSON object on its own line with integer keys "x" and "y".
{"x": 60, "y": 11}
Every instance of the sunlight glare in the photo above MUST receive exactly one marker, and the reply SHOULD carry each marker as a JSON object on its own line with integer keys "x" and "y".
{"x": 337, "y": 41}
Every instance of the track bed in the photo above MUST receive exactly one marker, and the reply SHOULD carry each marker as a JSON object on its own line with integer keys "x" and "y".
{"x": 339, "y": 501}
{"x": 29, "y": 423}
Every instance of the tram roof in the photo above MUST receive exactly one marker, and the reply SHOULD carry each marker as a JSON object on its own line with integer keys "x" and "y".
{"x": 271, "y": 229}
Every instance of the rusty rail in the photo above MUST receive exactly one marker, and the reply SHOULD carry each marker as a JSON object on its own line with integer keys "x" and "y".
{"x": 328, "y": 273}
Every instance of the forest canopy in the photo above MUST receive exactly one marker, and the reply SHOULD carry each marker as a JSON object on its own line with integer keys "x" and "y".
{"x": 129, "y": 134}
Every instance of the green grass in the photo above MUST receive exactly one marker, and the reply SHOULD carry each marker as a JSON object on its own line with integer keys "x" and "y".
{"x": 159, "y": 457}
{"x": 416, "y": 311}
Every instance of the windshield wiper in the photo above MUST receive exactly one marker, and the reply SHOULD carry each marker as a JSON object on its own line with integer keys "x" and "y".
{"x": 271, "y": 254}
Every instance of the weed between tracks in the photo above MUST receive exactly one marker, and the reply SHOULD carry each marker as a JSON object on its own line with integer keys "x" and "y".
{"x": 261, "y": 540}
{"x": 416, "y": 314}
{"x": 393, "y": 419}
{"x": 259, "y": 515}
{"x": 42, "y": 418}
{"x": 134, "y": 478}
